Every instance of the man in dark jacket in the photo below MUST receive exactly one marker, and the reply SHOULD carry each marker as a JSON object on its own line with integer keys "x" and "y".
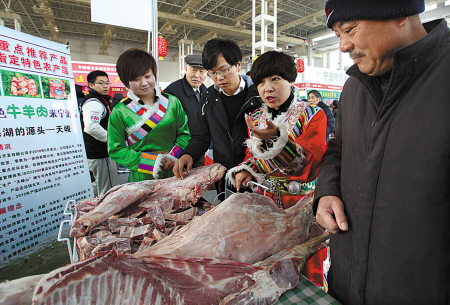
{"x": 383, "y": 183}
{"x": 116, "y": 99}
{"x": 315, "y": 98}
{"x": 220, "y": 116}
{"x": 189, "y": 90}
{"x": 95, "y": 111}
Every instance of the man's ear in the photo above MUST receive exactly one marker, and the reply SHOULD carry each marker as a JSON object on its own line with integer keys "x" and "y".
{"x": 402, "y": 21}
{"x": 91, "y": 85}
{"x": 238, "y": 66}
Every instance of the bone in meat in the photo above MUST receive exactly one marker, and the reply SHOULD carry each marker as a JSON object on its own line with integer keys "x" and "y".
{"x": 20, "y": 291}
{"x": 174, "y": 194}
{"x": 146, "y": 242}
{"x": 244, "y": 228}
{"x": 86, "y": 205}
{"x": 115, "y": 200}
{"x": 113, "y": 278}
{"x": 182, "y": 216}
{"x": 135, "y": 232}
{"x": 115, "y": 224}
{"x": 157, "y": 217}
{"x": 282, "y": 273}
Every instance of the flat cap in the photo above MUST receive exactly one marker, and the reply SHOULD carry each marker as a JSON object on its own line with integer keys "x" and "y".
{"x": 194, "y": 60}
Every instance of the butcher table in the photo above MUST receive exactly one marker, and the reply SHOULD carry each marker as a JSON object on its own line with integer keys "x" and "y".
{"x": 306, "y": 293}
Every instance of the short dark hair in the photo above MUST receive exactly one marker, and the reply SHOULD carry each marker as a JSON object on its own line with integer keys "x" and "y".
{"x": 274, "y": 63}
{"x": 316, "y": 93}
{"x": 134, "y": 63}
{"x": 217, "y": 46}
{"x": 94, "y": 74}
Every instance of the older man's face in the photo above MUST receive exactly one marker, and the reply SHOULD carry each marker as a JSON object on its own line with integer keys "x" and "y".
{"x": 371, "y": 44}
{"x": 195, "y": 76}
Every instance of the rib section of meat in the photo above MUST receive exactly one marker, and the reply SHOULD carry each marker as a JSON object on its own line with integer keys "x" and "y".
{"x": 176, "y": 270}
{"x": 148, "y": 200}
{"x": 115, "y": 200}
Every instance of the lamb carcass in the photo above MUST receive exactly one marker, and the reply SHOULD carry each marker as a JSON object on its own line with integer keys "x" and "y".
{"x": 115, "y": 200}
{"x": 133, "y": 199}
{"x": 235, "y": 230}
{"x": 186, "y": 276}
{"x": 114, "y": 278}
{"x": 174, "y": 194}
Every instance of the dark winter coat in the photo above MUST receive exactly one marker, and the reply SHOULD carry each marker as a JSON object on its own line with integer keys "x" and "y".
{"x": 183, "y": 90}
{"x": 331, "y": 123}
{"x": 390, "y": 165}
{"x": 229, "y": 149}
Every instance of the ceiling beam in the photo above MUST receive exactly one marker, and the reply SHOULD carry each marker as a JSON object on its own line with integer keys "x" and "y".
{"x": 302, "y": 20}
{"x": 226, "y": 29}
{"x": 29, "y": 17}
{"x": 45, "y": 10}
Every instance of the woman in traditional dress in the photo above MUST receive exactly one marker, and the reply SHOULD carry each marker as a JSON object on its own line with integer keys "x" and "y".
{"x": 286, "y": 143}
{"x": 287, "y": 135}
{"x": 148, "y": 130}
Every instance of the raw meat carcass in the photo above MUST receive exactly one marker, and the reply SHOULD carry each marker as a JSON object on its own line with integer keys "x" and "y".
{"x": 115, "y": 200}
{"x": 20, "y": 291}
{"x": 133, "y": 199}
{"x": 234, "y": 230}
{"x": 188, "y": 276}
{"x": 174, "y": 194}
{"x": 112, "y": 278}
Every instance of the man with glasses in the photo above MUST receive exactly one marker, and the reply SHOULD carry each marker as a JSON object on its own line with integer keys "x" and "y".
{"x": 222, "y": 109}
{"x": 189, "y": 90}
{"x": 95, "y": 111}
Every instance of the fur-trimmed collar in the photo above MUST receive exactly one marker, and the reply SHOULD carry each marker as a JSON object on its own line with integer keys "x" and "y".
{"x": 254, "y": 144}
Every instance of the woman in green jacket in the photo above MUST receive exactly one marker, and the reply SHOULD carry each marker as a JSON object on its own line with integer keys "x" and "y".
{"x": 148, "y": 130}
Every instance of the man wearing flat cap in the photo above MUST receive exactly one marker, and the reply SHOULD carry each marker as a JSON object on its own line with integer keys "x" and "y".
{"x": 383, "y": 186}
{"x": 189, "y": 90}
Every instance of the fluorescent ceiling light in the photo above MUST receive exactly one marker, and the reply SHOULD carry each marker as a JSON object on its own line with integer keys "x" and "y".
{"x": 324, "y": 37}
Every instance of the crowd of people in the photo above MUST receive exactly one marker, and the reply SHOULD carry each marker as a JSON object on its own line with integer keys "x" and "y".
{"x": 376, "y": 161}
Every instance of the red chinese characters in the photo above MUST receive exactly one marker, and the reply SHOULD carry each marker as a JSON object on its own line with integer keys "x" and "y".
{"x": 18, "y": 49}
{"x": 31, "y": 52}
{"x": 32, "y": 57}
{"x": 13, "y": 60}
{"x": 4, "y": 45}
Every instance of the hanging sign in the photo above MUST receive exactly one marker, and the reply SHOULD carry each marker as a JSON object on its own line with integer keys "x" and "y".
{"x": 300, "y": 65}
{"x": 162, "y": 47}
{"x": 42, "y": 155}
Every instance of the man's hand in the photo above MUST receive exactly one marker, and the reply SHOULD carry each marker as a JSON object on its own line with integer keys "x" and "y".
{"x": 330, "y": 214}
{"x": 242, "y": 178}
{"x": 184, "y": 160}
{"x": 264, "y": 134}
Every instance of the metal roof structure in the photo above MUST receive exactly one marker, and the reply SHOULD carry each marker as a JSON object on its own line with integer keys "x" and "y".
{"x": 196, "y": 20}
{"x": 299, "y": 21}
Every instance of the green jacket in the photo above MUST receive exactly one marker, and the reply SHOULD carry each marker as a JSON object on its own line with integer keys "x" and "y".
{"x": 168, "y": 134}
